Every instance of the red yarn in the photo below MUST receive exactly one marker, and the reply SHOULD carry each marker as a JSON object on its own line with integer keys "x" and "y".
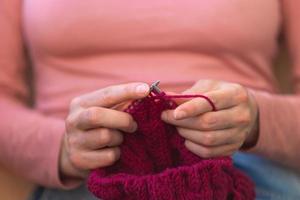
{"x": 155, "y": 164}
{"x": 191, "y": 96}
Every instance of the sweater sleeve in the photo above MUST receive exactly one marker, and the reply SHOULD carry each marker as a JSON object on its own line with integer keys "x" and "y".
{"x": 279, "y": 115}
{"x": 29, "y": 141}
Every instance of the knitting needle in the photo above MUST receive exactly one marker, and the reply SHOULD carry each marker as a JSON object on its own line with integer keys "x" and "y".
{"x": 154, "y": 87}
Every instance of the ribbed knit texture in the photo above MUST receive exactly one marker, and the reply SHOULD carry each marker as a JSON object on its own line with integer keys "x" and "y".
{"x": 155, "y": 164}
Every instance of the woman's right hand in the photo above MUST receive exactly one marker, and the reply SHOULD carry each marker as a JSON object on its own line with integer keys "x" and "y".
{"x": 93, "y": 129}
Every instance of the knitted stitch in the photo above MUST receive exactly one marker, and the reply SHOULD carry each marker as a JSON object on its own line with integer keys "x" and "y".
{"x": 155, "y": 164}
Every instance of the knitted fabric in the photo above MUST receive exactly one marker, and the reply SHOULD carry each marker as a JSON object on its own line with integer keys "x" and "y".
{"x": 155, "y": 164}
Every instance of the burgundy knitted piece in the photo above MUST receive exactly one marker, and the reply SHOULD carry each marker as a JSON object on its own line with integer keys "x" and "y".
{"x": 155, "y": 164}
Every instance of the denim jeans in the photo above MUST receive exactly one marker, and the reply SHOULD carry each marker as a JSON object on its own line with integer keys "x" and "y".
{"x": 272, "y": 181}
{"x": 80, "y": 193}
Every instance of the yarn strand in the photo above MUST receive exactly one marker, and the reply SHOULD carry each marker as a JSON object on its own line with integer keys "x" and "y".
{"x": 182, "y": 96}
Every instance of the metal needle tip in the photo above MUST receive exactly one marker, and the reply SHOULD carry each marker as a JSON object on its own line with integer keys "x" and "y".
{"x": 154, "y": 87}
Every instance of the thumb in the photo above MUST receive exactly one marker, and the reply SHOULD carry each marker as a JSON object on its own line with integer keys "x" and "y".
{"x": 112, "y": 95}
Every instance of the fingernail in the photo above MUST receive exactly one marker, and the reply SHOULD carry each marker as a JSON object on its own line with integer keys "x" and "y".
{"x": 179, "y": 114}
{"x": 142, "y": 89}
{"x": 134, "y": 127}
{"x": 164, "y": 115}
{"x": 167, "y": 115}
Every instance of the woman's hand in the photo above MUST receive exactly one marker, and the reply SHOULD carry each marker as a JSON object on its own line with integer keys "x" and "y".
{"x": 93, "y": 129}
{"x": 219, "y": 133}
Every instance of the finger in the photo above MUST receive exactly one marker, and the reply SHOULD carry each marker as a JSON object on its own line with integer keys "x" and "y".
{"x": 112, "y": 95}
{"x": 101, "y": 137}
{"x": 95, "y": 159}
{"x": 178, "y": 101}
{"x": 212, "y": 138}
{"x": 203, "y": 86}
{"x": 210, "y": 121}
{"x": 210, "y": 152}
{"x": 95, "y": 117}
{"x": 200, "y": 87}
{"x": 222, "y": 99}
{"x": 121, "y": 106}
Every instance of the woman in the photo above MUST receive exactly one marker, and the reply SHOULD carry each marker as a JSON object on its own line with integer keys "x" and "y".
{"x": 90, "y": 56}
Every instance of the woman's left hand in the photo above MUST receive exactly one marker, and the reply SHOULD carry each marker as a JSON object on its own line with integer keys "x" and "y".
{"x": 216, "y": 133}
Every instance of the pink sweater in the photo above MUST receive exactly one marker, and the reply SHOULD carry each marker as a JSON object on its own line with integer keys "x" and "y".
{"x": 82, "y": 46}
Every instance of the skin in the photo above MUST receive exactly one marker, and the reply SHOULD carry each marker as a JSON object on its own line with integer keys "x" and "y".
{"x": 220, "y": 133}
{"x": 93, "y": 128}
{"x": 95, "y": 120}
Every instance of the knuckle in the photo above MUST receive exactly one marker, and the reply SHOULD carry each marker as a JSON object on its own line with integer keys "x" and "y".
{"x": 209, "y": 118}
{"x": 241, "y": 94}
{"x": 194, "y": 106}
{"x": 92, "y": 116}
{"x": 245, "y": 117}
{"x": 213, "y": 99}
{"x": 73, "y": 141}
{"x": 205, "y": 126}
{"x": 106, "y": 91}
{"x": 207, "y": 121}
{"x": 106, "y": 94}
{"x": 209, "y": 140}
{"x": 244, "y": 97}
{"x": 129, "y": 89}
{"x": 76, "y": 102}
{"x": 110, "y": 94}
{"x": 198, "y": 83}
{"x": 70, "y": 122}
{"x": 75, "y": 159}
{"x": 205, "y": 82}
{"x": 105, "y": 136}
